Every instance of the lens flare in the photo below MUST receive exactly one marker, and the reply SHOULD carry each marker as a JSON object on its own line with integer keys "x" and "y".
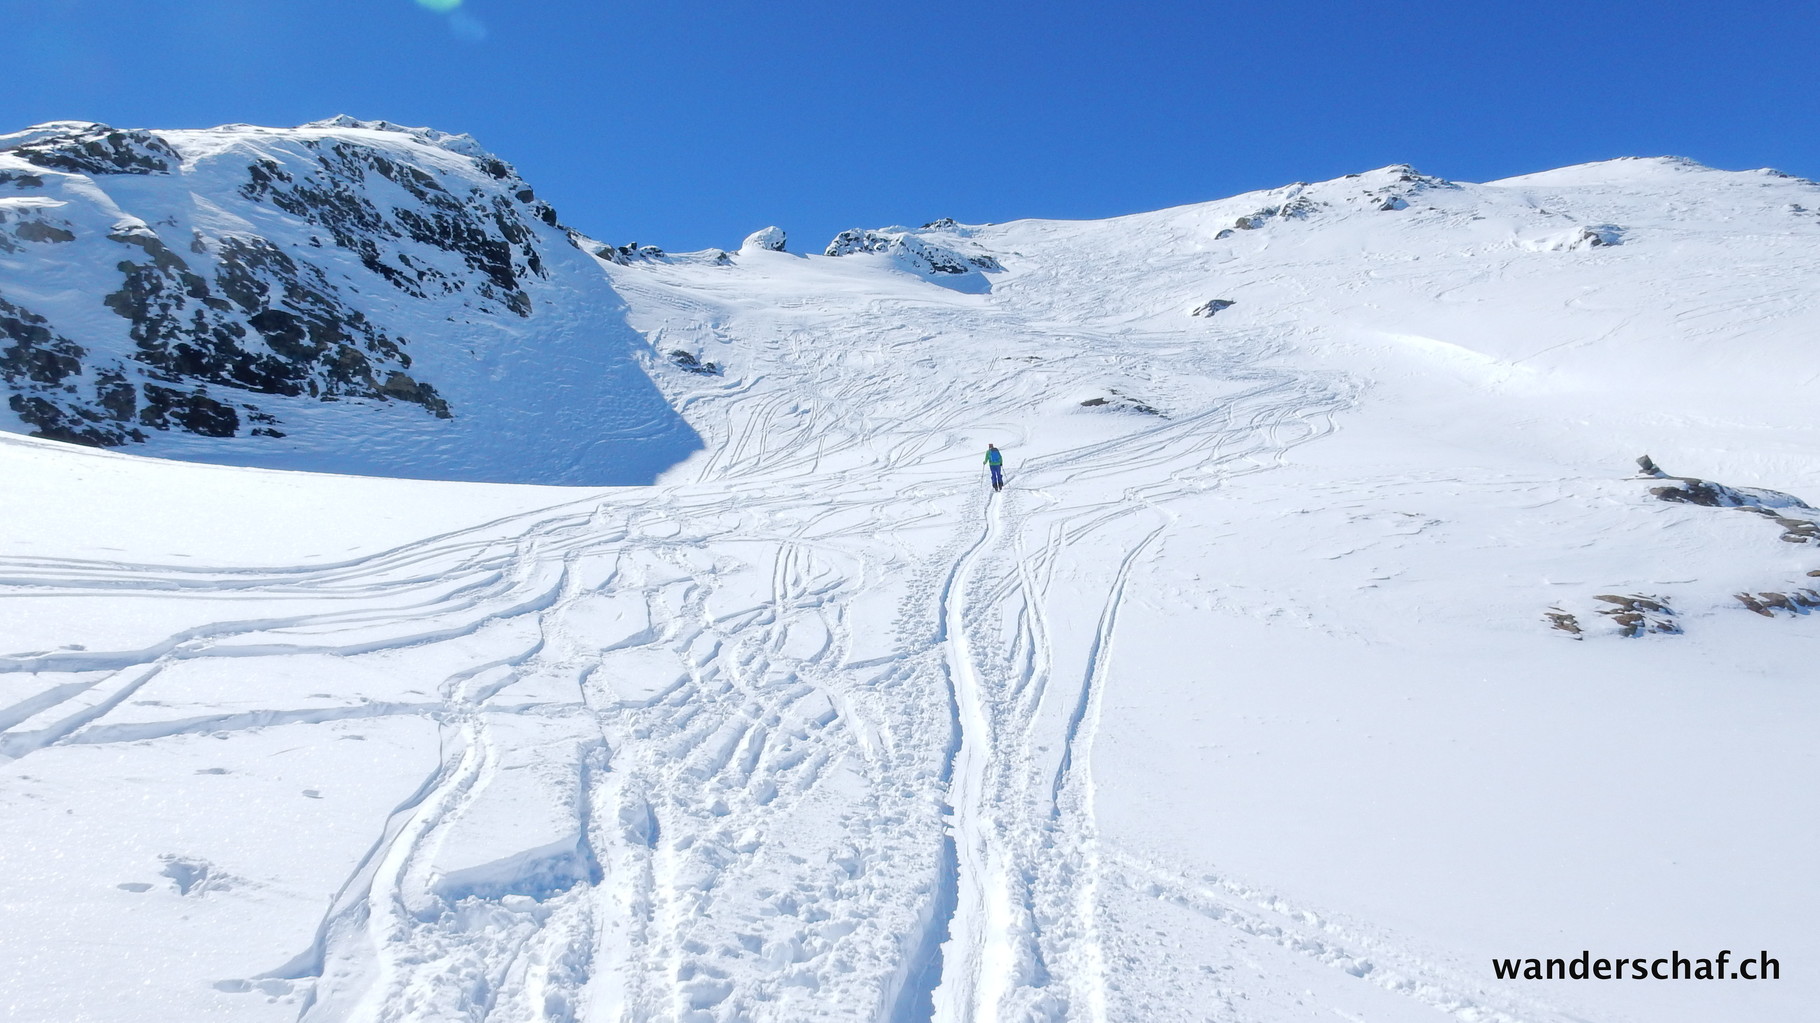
{"x": 440, "y": 6}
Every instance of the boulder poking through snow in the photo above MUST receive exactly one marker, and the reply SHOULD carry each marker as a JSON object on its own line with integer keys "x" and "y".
{"x": 1117, "y": 401}
{"x": 1591, "y": 236}
{"x": 1211, "y": 306}
{"x": 765, "y": 239}
{"x": 688, "y": 362}
{"x": 925, "y": 258}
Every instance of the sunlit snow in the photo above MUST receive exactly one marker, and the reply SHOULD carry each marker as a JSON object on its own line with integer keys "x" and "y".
{"x": 1250, "y": 698}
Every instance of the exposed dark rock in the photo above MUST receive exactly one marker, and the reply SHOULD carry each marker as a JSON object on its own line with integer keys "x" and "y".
{"x": 1212, "y": 306}
{"x": 1700, "y": 492}
{"x": 849, "y": 242}
{"x": 1637, "y": 615}
{"x": 194, "y": 411}
{"x": 66, "y": 423}
{"x": 35, "y": 354}
{"x": 1406, "y": 183}
{"x": 215, "y": 320}
{"x": 917, "y": 253}
{"x": 1795, "y": 602}
{"x": 99, "y": 149}
{"x": 489, "y": 235}
{"x": 266, "y": 324}
{"x": 1559, "y": 619}
{"x": 1598, "y": 236}
{"x": 940, "y": 225}
{"x": 402, "y": 387}
{"x": 44, "y": 370}
{"x": 38, "y": 231}
{"x": 115, "y": 395}
{"x": 1795, "y": 527}
{"x": 689, "y": 362}
{"x": 1296, "y": 207}
{"x": 1117, "y": 402}
{"x": 631, "y": 253}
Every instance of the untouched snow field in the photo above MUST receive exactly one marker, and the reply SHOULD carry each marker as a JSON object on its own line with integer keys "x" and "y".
{"x": 1255, "y": 696}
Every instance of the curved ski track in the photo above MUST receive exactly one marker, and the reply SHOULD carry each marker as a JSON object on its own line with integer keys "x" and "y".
{"x": 730, "y": 769}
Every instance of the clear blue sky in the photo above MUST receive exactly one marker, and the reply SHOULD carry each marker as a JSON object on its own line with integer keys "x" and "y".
{"x": 687, "y": 125}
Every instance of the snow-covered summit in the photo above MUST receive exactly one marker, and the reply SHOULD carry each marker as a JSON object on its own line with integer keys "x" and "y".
{"x": 462, "y": 143}
{"x": 1642, "y": 172}
{"x": 765, "y": 239}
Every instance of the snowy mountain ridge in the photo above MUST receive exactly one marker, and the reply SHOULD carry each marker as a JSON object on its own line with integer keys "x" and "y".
{"x": 1328, "y": 641}
{"x": 330, "y": 258}
{"x": 315, "y": 297}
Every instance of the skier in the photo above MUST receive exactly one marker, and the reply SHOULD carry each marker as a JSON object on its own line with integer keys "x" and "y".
{"x": 997, "y": 463}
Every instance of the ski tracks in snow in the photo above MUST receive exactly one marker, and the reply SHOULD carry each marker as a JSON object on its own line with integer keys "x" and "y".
{"x": 736, "y": 749}
{"x": 1026, "y": 693}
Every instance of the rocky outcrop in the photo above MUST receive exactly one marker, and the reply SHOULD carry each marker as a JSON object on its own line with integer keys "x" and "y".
{"x": 86, "y": 148}
{"x": 487, "y": 231}
{"x": 1394, "y": 188}
{"x": 261, "y": 321}
{"x": 1388, "y": 189}
{"x": 1639, "y": 615}
{"x": 1117, "y": 401}
{"x": 689, "y": 363}
{"x": 51, "y": 391}
{"x": 1298, "y": 207}
{"x": 1768, "y": 604}
{"x": 21, "y": 227}
{"x": 1212, "y": 306}
{"x": 630, "y": 253}
{"x": 277, "y": 288}
{"x": 1800, "y": 522}
{"x": 1564, "y": 621}
{"x": 914, "y": 253}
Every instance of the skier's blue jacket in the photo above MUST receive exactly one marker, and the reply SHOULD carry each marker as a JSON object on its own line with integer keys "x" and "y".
{"x": 993, "y": 457}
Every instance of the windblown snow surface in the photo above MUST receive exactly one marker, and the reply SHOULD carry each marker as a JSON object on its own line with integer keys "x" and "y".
{"x": 1323, "y": 647}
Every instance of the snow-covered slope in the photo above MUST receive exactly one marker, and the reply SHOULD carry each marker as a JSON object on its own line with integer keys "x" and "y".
{"x": 1327, "y": 643}
{"x": 348, "y": 296}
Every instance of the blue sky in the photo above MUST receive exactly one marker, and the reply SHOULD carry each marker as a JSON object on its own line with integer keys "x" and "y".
{"x": 687, "y": 125}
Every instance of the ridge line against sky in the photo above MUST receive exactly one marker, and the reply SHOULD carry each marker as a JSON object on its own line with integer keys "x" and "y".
{"x": 686, "y": 126}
